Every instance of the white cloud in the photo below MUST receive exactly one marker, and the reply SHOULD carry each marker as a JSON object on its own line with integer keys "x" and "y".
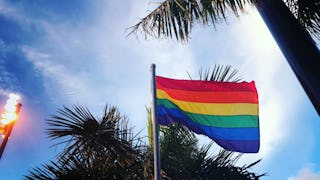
{"x": 94, "y": 65}
{"x": 6, "y": 10}
{"x": 306, "y": 173}
{"x": 13, "y": 13}
{"x": 59, "y": 81}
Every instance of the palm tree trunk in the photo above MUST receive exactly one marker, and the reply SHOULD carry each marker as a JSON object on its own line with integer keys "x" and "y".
{"x": 296, "y": 44}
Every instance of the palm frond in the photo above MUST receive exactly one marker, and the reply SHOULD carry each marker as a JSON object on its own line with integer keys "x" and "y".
{"x": 74, "y": 169}
{"x": 219, "y": 73}
{"x": 308, "y": 14}
{"x": 223, "y": 164}
{"x": 100, "y": 168}
{"x": 176, "y": 17}
{"x": 150, "y": 128}
{"x": 87, "y": 137}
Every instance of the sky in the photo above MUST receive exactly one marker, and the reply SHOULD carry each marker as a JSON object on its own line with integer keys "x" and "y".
{"x": 60, "y": 53}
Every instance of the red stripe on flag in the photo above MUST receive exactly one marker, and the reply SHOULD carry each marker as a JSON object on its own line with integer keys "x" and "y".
{"x": 197, "y": 85}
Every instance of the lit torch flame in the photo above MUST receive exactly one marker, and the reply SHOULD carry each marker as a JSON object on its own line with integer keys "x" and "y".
{"x": 10, "y": 113}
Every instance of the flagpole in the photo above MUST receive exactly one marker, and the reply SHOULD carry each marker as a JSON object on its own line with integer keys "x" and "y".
{"x": 156, "y": 147}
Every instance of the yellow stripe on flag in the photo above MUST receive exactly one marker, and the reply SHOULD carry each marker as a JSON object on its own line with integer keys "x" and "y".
{"x": 223, "y": 109}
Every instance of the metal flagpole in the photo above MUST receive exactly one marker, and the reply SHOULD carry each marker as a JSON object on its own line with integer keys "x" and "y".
{"x": 156, "y": 147}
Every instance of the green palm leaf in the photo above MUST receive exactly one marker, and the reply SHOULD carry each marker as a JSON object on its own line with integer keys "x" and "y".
{"x": 308, "y": 14}
{"x": 87, "y": 137}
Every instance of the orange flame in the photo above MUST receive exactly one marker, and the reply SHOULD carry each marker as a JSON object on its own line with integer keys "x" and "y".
{"x": 10, "y": 113}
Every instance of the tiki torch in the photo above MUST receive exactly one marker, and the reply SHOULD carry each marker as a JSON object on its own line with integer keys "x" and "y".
{"x": 8, "y": 119}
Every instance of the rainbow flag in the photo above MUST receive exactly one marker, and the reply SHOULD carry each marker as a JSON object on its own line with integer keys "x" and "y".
{"x": 226, "y": 112}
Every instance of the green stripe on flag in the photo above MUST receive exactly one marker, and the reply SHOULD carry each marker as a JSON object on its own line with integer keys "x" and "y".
{"x": 236, "y": 121}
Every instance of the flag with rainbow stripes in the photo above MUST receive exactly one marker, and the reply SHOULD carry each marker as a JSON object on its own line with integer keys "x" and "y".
{"x": 226, "y": 112}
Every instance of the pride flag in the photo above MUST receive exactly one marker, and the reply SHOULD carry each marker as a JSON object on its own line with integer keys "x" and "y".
{"x": 226, "y": 112}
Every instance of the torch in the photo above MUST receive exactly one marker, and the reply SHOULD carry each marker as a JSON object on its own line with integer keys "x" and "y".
{"x": 8, "y": 119}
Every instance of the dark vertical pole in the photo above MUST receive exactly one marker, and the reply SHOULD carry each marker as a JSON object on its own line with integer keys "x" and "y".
{"x": 156, "y": 147}
{"x": 296, "y": 44}
{"x": 8, "y": 132}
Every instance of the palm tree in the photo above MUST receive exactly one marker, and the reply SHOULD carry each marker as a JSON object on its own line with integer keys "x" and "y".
{"x": 93, "y": 148}
{"x": 289, "y": 21}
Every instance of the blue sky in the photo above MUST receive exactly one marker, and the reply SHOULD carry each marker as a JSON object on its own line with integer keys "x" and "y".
{"x": 56, "y": 53}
